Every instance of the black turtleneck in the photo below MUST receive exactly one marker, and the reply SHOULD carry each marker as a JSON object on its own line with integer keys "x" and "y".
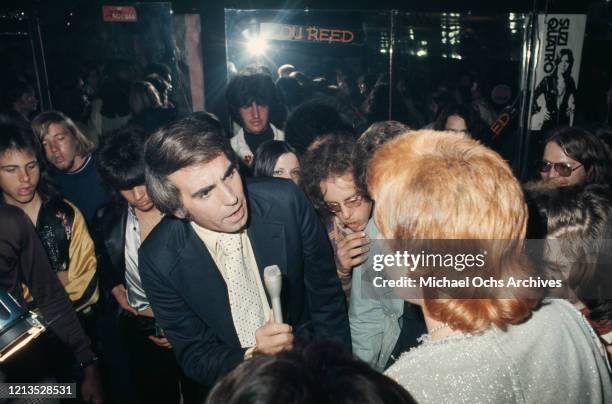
{"x": 256, "y": 139}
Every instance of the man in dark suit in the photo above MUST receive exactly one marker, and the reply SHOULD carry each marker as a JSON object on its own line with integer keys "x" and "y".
{"x": 204, "y": 274}
{"x": 137, "y": 357}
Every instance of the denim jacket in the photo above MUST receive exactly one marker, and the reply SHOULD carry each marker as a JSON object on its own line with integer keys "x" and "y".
{"x": 374, "y": 314}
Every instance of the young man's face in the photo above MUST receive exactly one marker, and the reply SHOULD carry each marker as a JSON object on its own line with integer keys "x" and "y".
{"x": 254, "y": 117}
{"x": 353, "y": 210}
{"x": 138, "y": 198}
{"x": 212, "y": 195}
{"x": 554, "y": 153}
{"x": 60, "y": 147}
{"x": 19, "y": 176}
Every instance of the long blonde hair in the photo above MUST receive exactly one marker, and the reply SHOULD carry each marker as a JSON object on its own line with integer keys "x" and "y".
{"x": 41, "y": 124}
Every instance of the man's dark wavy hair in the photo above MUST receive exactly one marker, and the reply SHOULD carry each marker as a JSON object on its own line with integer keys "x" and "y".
{"x": 333, "y": 157}
{"x": 587, "y": 149}
{"x": 257, "y": 87}
{"x": 311, "y": 120}
{"x": 318, "y": 372}
{"x": 120, "y": 160}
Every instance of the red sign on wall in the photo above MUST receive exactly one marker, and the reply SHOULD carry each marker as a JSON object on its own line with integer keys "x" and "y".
{"x": 119, "y": 14}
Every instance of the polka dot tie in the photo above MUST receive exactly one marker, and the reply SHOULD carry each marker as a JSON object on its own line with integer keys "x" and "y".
{"x": 245, "y": 302}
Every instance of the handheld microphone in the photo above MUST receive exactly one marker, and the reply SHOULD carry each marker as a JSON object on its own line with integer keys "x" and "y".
{"x": 274, "y": 282}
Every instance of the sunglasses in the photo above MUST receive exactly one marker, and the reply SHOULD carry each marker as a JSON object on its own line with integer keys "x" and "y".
{"x": 352, "y": 202}
{"x": 563, "y": 169}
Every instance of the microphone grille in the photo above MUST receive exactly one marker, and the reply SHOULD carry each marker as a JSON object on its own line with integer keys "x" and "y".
{"x": 271, "y": 271}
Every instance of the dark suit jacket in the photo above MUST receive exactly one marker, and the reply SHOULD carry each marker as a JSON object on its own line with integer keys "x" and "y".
{"x": 189, "y": 296}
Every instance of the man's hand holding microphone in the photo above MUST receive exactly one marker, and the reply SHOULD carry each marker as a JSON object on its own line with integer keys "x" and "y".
{"x": 274, "y": 336}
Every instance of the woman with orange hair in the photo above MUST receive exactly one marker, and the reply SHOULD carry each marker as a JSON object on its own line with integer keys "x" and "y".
{"x": 483, "y": 345}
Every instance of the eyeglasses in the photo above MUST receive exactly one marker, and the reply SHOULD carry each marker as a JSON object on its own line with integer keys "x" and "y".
{"x": 352, "y": 202}
{"x": 563, "y": 169}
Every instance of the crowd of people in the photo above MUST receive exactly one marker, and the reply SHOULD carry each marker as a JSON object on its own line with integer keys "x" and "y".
{"x": 141, "y": 234}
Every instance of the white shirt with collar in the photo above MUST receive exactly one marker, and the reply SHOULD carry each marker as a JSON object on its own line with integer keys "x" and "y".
{"x": 210, "y": 240}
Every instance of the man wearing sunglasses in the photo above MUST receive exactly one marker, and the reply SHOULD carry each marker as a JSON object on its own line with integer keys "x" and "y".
{"x": 382, "y": 326}
{"x": 330, "y": 184}
{"x": 557, "y": 165}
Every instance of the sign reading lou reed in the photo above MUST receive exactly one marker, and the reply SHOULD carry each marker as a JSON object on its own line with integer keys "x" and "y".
{"x": 558, "y": 65}
{"x": 300, "y": 33}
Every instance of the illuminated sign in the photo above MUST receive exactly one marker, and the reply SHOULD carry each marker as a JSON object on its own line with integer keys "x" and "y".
{"x": 500, "y": 123}
{"x": 300, "y": 33}
{"x": 119, "y": 14}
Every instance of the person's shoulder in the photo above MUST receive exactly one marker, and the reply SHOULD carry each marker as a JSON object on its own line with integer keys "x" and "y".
{"x": 540, "y": 332}
{"x": 64, "y": 204}
{"x": 57, "y": 207}
{"x": 433, "y": 360}
{"x": 554, "y": 313}
{"x": 237, "y": 136}
{"x": 168, "y": 236}
{"x": 109, "y": 211}
{"x": 275, "y": 190}
{"x": 371, "y": 230}
{"x": 12, "y": 217}
{"x": 279, "y": 134}
{"x": 90, "y": 164}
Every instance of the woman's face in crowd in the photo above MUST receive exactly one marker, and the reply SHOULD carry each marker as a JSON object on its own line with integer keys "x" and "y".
{"x": 342, "y": 190}
{"x": 288, "y": 166}
{"x": 455, "y": 123}
{"x": 553, "y": 153}
{"x": 19, "y": 176}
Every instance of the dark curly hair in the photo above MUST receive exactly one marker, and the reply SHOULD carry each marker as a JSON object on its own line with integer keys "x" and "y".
{"x": 587, "y": 149}
{"x": 120, "y": 160}
{"x": 311, "y": 120}
{"x": 369, "y": 141}
{"x": 333, "y": 157}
